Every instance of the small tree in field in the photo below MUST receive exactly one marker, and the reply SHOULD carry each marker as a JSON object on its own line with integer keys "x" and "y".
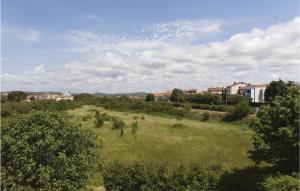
{"x": 177, "y": 96}
{"x": 134, "y": 127}
{"x": 44, "y": 151}
{"x": 99, "y": 121}
{"x": 150, "y": 97}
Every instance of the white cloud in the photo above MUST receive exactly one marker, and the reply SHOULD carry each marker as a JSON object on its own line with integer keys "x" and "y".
{"x": 155, "y": 62}
{"x": 184, "y": 30}
{"x": 25, "y": 34}
{"x": 29, "y": 35}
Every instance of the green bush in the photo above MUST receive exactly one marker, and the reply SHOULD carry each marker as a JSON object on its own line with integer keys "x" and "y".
{"x": 16, "y": 96}
{"x": 205, "y": 116}
{"x": 206, "y": 98}
{"x": 238, "y": 112}
{"x": 177, "y": 125}
{"x": 86, "y": 117}
{"x": 99, "y": 121}
{"x": 45, "y": 151}
{"x": 134, "y": 127}
{"x": 118, "y": 123}
{"x": 158, "y": 177}
{"x": 281, "y": 183}
{"x": 9, "y": 108}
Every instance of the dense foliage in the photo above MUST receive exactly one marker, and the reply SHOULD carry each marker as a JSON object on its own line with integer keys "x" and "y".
{"x": 177, "y": 95}
{"x": 150, "y": 97}
{"x": 9, "y": 108}
{"x": 238, "y": 112}
{"x": 44, "y": 151}
{"x": 275, "y": 88}
{"x": 205, "y": 98}
{"x": 16, "y": 96}
{"x": 159, "y": 177}
{"x": 280, "y": 183}
{"x": 276, "y": 139}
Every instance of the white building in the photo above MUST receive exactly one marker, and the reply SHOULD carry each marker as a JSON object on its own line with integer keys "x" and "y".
{"x": 235, "y": 87}
{"x": 256, "y": 92}
{"x": 65, "y": 97}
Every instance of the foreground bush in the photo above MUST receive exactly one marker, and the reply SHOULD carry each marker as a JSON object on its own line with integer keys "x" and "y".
{"x": 44, "y": 151}
{"x": 281, "y": 183}
{"x": 158, "y": 177}
{"x": 276, "y": 134}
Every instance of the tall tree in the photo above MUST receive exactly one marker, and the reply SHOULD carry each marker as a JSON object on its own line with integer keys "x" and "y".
{"x": 275, "y": 88}
{"x": 276, "y": 139}
{"x": 150, "y": 97}
{"x": 17, "y": 96}
{"x": 177, "y": 95}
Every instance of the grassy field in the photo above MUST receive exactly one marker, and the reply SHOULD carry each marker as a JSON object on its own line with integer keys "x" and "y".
{"x": 197, "y": 143}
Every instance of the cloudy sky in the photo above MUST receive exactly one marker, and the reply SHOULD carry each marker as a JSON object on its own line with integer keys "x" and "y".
{"x": 140, "y": 45}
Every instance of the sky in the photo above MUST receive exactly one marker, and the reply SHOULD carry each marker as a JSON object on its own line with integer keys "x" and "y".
{"x": 151, "y": 46}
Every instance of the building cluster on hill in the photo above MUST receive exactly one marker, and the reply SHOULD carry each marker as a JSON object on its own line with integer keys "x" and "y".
{"x": 254, "y": 92}
{"x": 56, "y": 96}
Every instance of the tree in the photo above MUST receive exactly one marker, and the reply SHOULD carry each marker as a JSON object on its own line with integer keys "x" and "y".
{"x": 32, "y": 98}
{"x": 275, "y": 88}
{"x": 45, "y": 151}
{"x": 150, "y": 97}
{"x": 276, "y": 139}
{"x": 17, "y": 96}
{"x": 177, "y": 96}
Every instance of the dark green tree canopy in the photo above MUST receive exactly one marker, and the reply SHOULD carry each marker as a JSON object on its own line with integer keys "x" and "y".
{"x": 150, "y": 97}
{"x": 16, "y": 96}
{"x": 275, "y": 88}
{"x": 44, "y": 151}
{"x": 276, "y": 139}
{"x": 177, "y": 96}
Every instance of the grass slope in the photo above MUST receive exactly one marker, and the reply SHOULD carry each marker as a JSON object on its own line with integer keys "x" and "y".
{"x": 197, "y": 143}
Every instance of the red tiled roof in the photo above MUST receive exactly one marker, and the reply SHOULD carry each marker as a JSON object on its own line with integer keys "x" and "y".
{"x": 215, "y": 89}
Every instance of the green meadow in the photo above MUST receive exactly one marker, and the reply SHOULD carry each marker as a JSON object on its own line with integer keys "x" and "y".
{"x": 196, "y": 143}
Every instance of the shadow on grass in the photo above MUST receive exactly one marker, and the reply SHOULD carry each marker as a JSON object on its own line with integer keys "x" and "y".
{"x": 246, "y": 179}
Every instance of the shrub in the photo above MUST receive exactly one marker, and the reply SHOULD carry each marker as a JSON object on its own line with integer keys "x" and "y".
{"x": 157, "y": 176}
{"x": 281, "y": 183}
{"x": 99, "y": 121}
{"x": 9, "y": 108}
{"x": 118, "y": 123}
{"x": 205, "y": 116}
{"x": 177, "y": 125}
{"x": 205, "y": 98}
{"x": 238, "y": 112}
{"x": 93, "y": 110}
{"x": 86, "y": 117}
{"x": 45, "y": 151}
{"x": 16, "y": 96}
{"x": 135, "y": 117}
{"x": 134, "y": 127}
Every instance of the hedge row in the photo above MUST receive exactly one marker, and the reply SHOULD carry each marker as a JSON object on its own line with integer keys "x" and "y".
{"x": 158, "y": 177}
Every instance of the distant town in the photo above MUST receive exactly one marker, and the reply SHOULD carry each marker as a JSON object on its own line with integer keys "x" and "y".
{"x": 255, "y": 92}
